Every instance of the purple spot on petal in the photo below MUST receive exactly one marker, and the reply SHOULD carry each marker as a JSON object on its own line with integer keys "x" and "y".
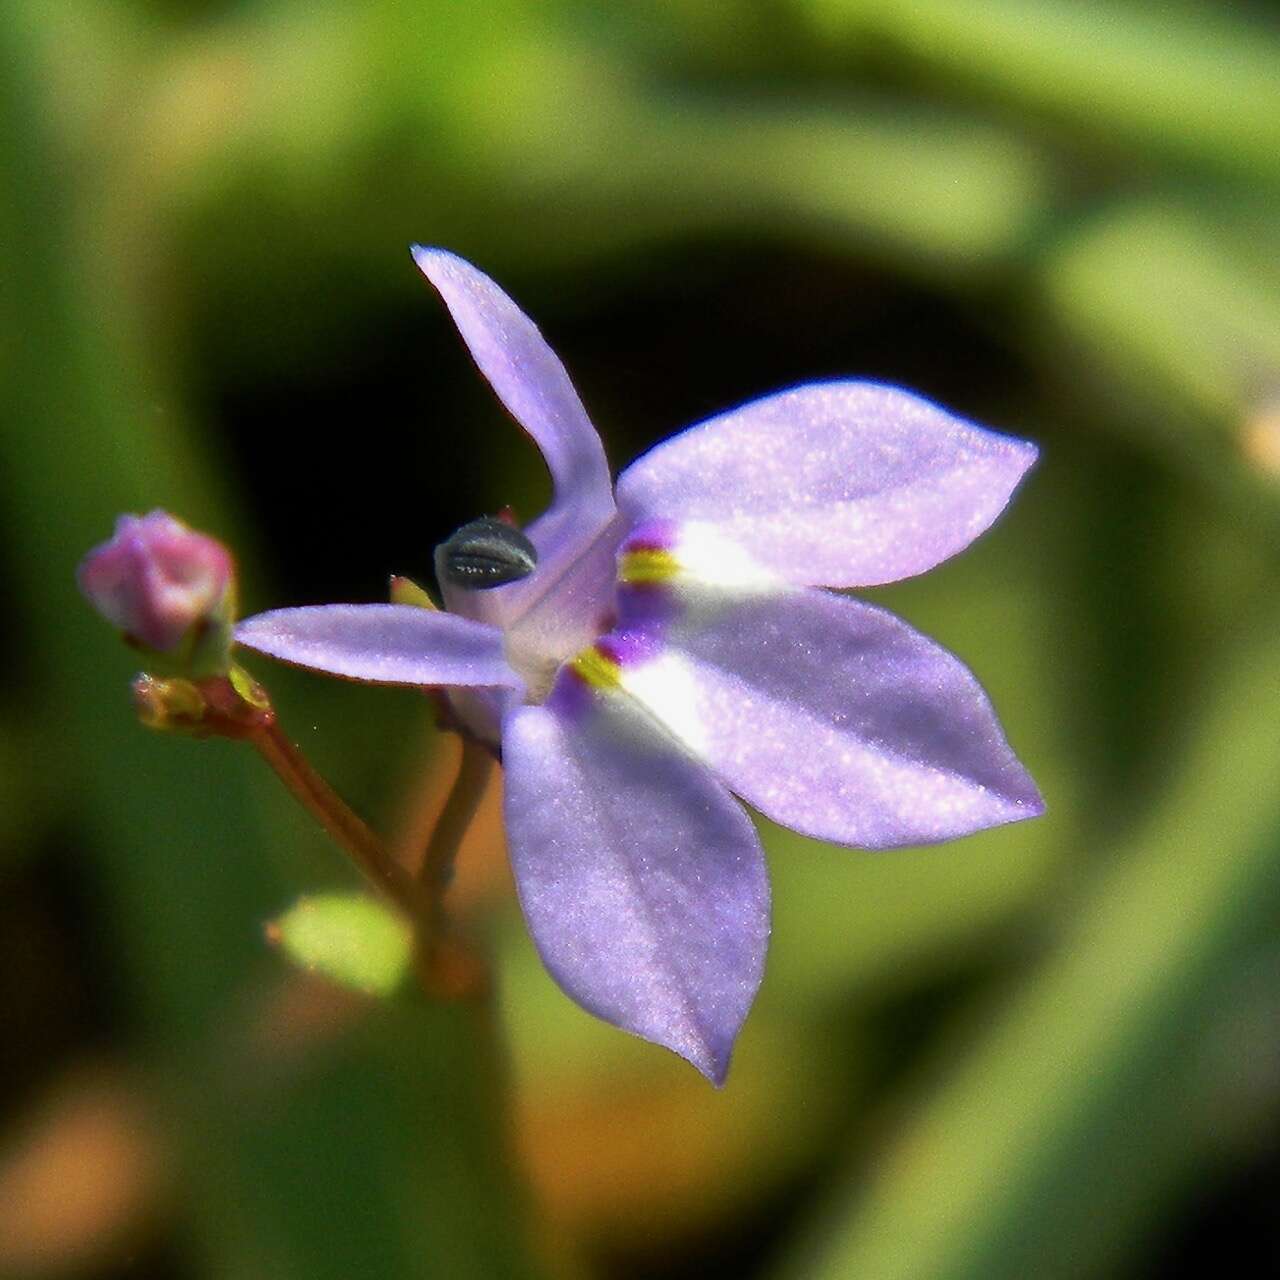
{"x": 651, "y": 535}
{"x": 629, "y": 647}
{"x": 571, "y": 695}
{"x": 647, "y": 606}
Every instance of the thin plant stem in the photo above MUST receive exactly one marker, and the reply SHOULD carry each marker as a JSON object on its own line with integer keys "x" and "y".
{"x": 354, "y": 835}
{"x": 474, "y": 768}
{"x": 447, "y": 965}
{"x": 235, "y": 706}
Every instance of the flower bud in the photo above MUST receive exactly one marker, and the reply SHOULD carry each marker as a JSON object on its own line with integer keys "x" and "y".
{"x": 160, "y": 582}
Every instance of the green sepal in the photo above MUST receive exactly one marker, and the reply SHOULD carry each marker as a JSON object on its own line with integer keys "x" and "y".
{"x": 204, "y": 651}
{"x": 248, "y": 689}
{"x": 406, "y": 591}
{"x": 168, "y": 705}
{"x": 349, "y": 938}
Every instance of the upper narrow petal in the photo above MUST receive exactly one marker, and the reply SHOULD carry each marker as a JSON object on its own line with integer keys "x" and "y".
{"x": 831, "y": 716}
{"x": 532, "y": 383}
{"x": 838, "y": 484}
{"x": 383, "y": 644}
{"x": 642, "y": 880}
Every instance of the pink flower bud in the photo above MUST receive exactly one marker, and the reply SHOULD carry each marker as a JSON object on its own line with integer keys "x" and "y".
{"x": 156, "y": 579}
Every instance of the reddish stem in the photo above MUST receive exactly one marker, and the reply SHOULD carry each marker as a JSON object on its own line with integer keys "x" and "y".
{"x": 332, "y": 812}
{"x": 448, "y": 966}
{"x": 238, "y": 708}
{"x": 455, "y": 818}
{"x": 246, "y": 713}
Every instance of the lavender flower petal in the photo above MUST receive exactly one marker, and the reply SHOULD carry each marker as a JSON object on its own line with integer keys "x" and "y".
{"x": 831, "y": 716}
{"x": 643, "y": 882}
{"x": 838, "y": 484}
{"x": 569, "y": 616}
{"x": 532, "y": 383}
{"x": 382, "y": 644}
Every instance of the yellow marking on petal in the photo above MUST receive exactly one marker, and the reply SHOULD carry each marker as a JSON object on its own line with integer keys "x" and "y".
{"x": 649, "y": 565}
{"x": 597, "y": 670}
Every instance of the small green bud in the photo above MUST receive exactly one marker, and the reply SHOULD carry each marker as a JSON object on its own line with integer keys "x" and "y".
{"x": 350, "y": 938}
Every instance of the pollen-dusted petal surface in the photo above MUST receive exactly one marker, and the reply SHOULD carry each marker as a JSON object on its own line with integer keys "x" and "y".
{"x": 533, "y": 385}
{"x": 831, "y": 716}
{"x": 641, "y": 878}
{"x": 382, "y": 644}
{"x": 839, "y": 484}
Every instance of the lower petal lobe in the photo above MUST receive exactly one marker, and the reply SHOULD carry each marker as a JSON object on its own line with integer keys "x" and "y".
{"x": 642, "y": 880}
{"x": 831, "y": 716}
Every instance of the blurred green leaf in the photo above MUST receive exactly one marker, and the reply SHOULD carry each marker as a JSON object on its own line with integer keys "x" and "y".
{"x": 1160, "y": 306}
{"x": 23, "y": 804}
{"x": 1164, "y": 291}
{"x": 508, "y": 134}
{"x": 902, "y": 183}
{"x": 349, "y": 938}
{"x": 1196, "y": 81}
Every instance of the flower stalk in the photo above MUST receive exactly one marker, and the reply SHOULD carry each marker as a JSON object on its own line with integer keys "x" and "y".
{"x": 448, "y": 966}
{"x": 236, "y": 706}
{"x": 239, "y": 708}
{"x": 353, "y": 835}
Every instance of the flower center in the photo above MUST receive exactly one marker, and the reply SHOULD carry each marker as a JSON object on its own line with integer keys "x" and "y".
{"x": 563, "y": 602}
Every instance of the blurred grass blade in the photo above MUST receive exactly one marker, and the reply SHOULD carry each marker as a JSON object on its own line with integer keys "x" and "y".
{"x": 1055, "y": 1141}
{"x": 1160, "y": 304}
{"x": 927, "y": 189}
{"x": 1164, "y": 292}
{"x": 1195, "y": 81}
{"x": 932, "y": 193}
{"x": 908, "y": 183}
{"x": 527, "y": 173}
{"x": 349, "y": 1142}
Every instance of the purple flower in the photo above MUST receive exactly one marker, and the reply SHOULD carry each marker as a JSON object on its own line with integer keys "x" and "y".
{"x": 645, "y": 654}
{"x": 157, "y": 580}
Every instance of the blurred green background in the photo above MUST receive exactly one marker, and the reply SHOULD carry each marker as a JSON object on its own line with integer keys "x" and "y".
{"x": 1052, "y": 1050}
